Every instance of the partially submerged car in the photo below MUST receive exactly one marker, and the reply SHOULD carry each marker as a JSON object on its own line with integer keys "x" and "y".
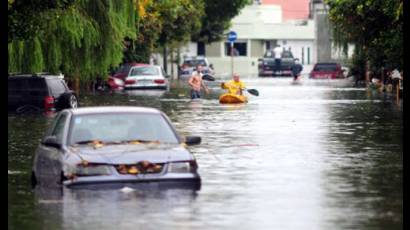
{"x": 39, "y": 92}
{"x": 116, "y": 80}
{"x": 189, "y": 65}
{"x": 146, "y": 77}
{"x": 327, "y": 70}
{"x": 267, "y": 65}
{"x": 113, "y": 145}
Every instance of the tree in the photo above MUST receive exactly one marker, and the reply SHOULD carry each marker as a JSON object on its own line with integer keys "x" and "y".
{"x": 373, "y": 26}
{"x": 217, "y": 18}
{"x": 83, "y": 40}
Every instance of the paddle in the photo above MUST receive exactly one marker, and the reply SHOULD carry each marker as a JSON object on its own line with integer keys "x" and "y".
{"x": 251, "y": 91}
{"x": 208, "y": 77}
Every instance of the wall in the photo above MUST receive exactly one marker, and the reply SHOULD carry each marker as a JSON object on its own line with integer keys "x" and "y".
{"x": 291, "y": 9}
{"x": 296, "y": 48}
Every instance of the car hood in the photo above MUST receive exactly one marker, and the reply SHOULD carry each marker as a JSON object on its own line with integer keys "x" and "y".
{"x": 129, "y": 153}
{"x": 151, "y": 77}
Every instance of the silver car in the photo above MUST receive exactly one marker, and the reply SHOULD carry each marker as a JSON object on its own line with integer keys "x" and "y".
{"x": 147, "y": 76}
{"x": 113, "y": 145}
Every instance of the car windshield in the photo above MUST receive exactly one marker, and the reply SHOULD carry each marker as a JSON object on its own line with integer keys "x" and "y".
{"x": 193, "y": 63}
{"x": 121, "y": 127}
{"x": 287, "y": 55}
{"x": 144, "y": 70}
{"x": 325, "y": 67}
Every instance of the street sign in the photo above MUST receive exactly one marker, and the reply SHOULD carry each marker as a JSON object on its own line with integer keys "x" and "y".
{"x": 232, "y": 36}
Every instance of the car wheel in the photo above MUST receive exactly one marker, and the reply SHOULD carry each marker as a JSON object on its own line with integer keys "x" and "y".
{"x": 72, "y": 101}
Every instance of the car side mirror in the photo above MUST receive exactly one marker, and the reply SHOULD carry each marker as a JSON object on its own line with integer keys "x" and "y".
{"x": 192, "y": 140}
{"x": 51, "y": 141}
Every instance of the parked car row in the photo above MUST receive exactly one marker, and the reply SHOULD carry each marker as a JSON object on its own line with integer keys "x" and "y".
{"x": 112, "y": 146}
{"x": 139, "y": 76}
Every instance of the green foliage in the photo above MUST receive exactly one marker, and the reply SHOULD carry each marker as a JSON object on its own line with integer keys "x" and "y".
{"x": 33, "y": 57}
{"x": 373, "y": 26}
{"x": 164, "y": 23}
{"x": 217, "y": 17}
{"x": 82, "y": 40}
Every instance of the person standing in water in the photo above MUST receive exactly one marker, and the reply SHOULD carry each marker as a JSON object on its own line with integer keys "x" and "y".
{"x": 196, "y": 82}
{"x": 296, "y": 69}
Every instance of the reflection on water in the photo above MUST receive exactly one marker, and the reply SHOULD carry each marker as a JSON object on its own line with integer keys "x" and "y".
{"x": 320, "y": 155}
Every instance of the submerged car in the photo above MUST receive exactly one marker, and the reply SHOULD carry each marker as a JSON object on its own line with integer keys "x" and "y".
{"x": 146, "y": 76}
{"x": 327, "y": 70}
{"x": 41, "y": 92}
{"x": 267, "y": 65}
{"x": 116, "y": 80}
{"x": 190, "y": 63}
{"x": 113, "y": 145}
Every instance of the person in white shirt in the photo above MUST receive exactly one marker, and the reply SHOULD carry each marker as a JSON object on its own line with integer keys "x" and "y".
{"x": 278, "y": 55}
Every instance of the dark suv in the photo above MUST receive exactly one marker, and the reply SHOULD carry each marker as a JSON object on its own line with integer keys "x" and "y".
{"x": 39, "y": 92}
{"x": 267, "y": 65}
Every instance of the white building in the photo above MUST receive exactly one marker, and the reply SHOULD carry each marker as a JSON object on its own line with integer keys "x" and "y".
{"x": 259, "y": 27}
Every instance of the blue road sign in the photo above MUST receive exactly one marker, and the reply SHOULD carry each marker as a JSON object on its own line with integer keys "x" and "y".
{"x": 232, "y": 36}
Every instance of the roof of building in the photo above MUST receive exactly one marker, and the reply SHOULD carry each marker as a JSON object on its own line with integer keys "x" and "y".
{"x": 274, "y": 31}
{"x": 265, "y": 22}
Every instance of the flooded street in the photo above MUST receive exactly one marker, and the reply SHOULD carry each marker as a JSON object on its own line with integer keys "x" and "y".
{"x": 320, "y": 155}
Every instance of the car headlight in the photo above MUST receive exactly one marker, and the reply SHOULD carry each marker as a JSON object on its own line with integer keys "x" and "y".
{"x": 265, "y": 63}
{"x": 88, "y": 170}
{"x": 182, "y": 167}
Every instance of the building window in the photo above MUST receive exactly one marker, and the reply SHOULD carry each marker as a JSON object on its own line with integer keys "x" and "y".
{"x": 239, "y": 49}
{"x": 308, "y": 55}
{"x": 303, "y": 55}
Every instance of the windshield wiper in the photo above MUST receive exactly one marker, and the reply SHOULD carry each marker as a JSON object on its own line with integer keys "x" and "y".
{"x": 88, "y": 142}
{"x": 141, "y": 141}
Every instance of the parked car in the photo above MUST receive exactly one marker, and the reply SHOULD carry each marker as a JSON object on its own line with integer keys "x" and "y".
{"x": 146, "y": 76}
{"x": 116, "y": 81}
{"x": 189, "y": 64}
{"x": 327, "y": 70}
{"x": 113, "y": 145}
{"x": 267, "y": 65}
{"x": 43, "y": 92}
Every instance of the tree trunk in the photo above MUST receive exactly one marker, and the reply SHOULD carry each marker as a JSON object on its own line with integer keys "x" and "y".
{"x": 165, "y": 59}
{"x": 77, "y": 84}
{"x": 171, "y": 51}
{"x": 178, "y": 61}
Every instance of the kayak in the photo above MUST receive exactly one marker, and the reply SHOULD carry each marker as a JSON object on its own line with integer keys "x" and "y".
{"x": 229, "y": 98}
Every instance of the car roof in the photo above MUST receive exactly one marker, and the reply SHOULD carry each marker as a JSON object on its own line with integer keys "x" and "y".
{"x": 194, "y": 58}
{"x": 327, "y": 63}
{"x": 137, "y": 64}
{"x": 113, "y": 109}
{"x": 36, "y": 75}
{"x": 146, "y": 65}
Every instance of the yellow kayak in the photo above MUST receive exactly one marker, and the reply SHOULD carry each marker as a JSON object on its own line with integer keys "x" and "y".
{"x": 229, "y": 98}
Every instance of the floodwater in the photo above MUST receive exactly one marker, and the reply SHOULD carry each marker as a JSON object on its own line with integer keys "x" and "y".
{"x": 320, "y": 155}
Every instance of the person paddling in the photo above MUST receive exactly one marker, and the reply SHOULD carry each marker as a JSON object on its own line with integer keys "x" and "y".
{"x": 234, "y": 86}
{"x": 195, "y": 82}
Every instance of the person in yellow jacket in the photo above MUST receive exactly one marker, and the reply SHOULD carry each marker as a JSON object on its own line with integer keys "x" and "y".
{"x": 234, "y": 86}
